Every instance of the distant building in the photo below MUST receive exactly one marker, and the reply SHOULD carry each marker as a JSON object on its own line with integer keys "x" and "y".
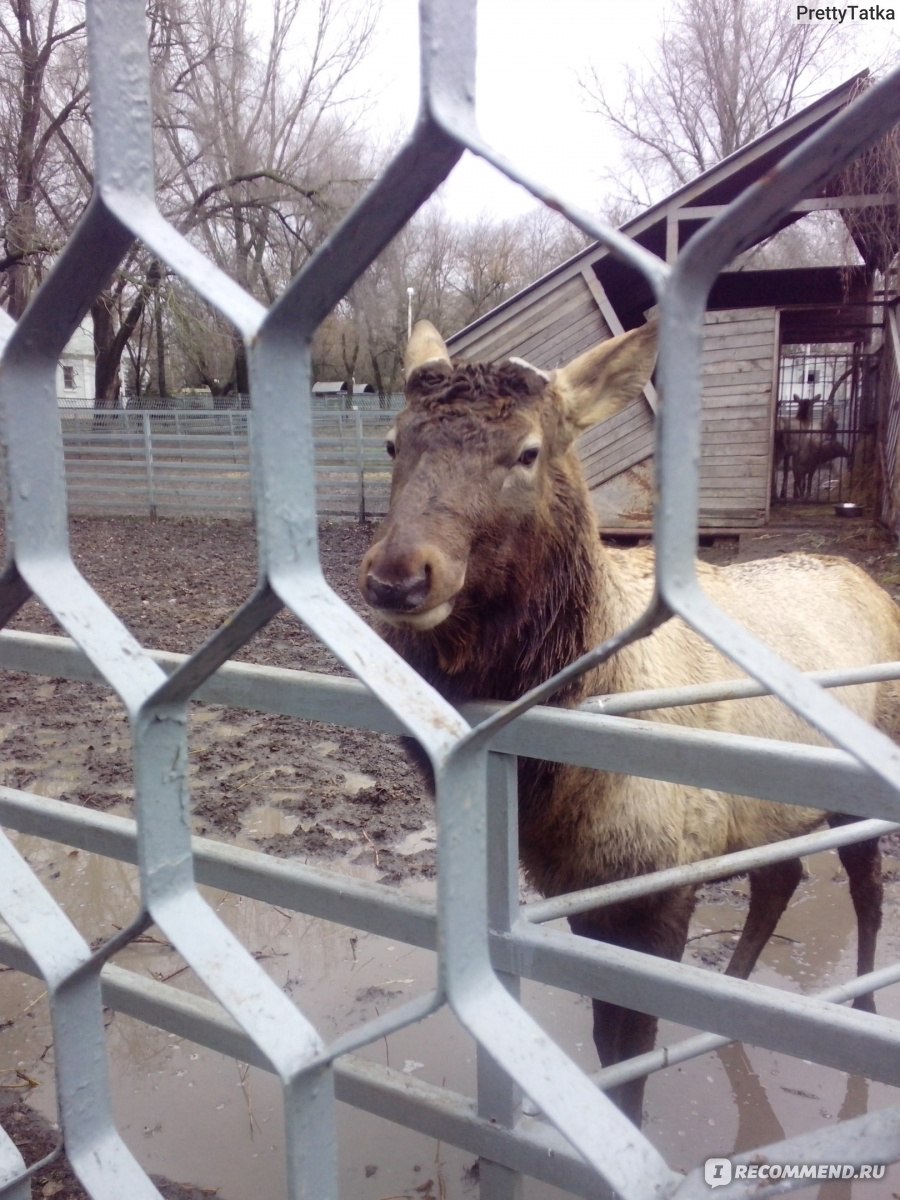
{"x": 75, "y": 377}
{"x": 339, "y": 388}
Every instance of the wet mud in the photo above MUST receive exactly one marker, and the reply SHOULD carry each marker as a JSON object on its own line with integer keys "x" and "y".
{"x": 349, "y": 801}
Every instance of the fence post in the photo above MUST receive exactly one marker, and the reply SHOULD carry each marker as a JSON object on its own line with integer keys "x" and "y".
{"x": 360, "y": 463}
{"x": 148, "y": 463}
{"x": 498, "y": 1096}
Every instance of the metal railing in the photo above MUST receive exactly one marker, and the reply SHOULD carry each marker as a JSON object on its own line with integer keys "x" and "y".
{"x": 168, "y": 462}
{"x": 484, "y": 943}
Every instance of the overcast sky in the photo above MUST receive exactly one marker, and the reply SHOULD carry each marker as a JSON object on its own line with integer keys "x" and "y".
{"x": 529, "y": 105}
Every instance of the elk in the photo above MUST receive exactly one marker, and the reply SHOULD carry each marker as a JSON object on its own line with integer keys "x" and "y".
{"x": 802, "y": 445}
{"x": 818, "y": 449}
{"x": 488, "y": 575}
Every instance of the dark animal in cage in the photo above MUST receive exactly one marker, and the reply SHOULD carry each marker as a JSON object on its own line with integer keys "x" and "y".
{"x": 816, "y": 450}
{"x": 804, "y": 442}
{"x": 488, "y": 575}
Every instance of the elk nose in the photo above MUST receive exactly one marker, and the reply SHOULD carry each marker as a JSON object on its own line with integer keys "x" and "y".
{"x": 405, "y": 594}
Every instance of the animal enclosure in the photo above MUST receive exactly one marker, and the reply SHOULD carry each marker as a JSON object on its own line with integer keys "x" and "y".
{"x": 833, "y": 446}
{"x": 571, "y": 1136}
{"x": 761, "y": 320}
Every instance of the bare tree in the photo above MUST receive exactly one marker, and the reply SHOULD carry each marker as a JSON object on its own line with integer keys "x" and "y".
{"x": 723, "y": 72}
{"x": 457, "y": 272}
{"x": 256, "y": 157}
{"x": 42, "y": 92}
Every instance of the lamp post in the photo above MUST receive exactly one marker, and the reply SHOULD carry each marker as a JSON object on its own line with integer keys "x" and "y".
{"x": 410, "y": 292}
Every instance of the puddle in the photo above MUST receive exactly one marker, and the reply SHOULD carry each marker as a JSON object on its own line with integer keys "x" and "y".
{"x": 199, "y": 1117}
{"x": 268, "y": 821}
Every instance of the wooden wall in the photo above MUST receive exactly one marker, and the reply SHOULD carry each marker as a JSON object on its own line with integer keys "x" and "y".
{"x": 738, "y": 376}
{"x": 558, "y": 319}
{"x": 739, "y": 364}
{"x": 547, "y": 326}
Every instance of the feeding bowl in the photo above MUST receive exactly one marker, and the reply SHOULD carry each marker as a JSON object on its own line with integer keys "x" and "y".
{"x": 848, "y": 510}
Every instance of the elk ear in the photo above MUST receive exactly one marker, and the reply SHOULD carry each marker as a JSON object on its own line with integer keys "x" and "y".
{"x": 594, "y": 386}
{"x": 424, "y": 348}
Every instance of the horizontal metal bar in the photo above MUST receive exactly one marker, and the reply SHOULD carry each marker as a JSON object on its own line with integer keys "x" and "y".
{"x": 733, "y": 689}
{"x": 797, "y": 1025}
{"x": 732, "y": 763}
{"x": 704, "y": 1043}
{"x": 381, "y": 911}
{"x": 706, "y": 869}
{"x": 533, "y": 1147}
{"x": 375, "y": 908}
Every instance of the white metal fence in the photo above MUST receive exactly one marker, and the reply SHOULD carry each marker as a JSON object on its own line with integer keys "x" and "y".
{"x": 166, "y": 462}
{"x": 483, "y": 940}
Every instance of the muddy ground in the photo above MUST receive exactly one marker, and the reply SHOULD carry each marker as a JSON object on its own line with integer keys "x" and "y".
{"x": 343, "y": 793}
{"x": 298, "y": 789}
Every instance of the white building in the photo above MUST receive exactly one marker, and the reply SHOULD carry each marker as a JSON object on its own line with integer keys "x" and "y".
{"x": 75, "y": 378}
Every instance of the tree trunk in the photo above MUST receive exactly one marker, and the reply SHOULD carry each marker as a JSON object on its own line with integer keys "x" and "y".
{"x": 106, "y": 361}
{"x": 154, "y": 276}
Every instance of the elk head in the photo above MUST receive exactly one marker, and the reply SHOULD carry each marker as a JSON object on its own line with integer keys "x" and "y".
{"x": 485, "y": 472}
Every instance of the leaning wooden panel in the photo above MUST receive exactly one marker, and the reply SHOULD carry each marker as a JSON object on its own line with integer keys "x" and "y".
{"x": 540, "y": 329}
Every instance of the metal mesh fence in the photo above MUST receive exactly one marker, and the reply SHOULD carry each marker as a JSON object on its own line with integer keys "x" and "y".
{"x": 482, "y": 940}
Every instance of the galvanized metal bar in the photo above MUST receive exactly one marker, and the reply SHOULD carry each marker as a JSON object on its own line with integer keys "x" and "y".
{"x": 743, "y": 1010}
{"x": 683, "y": 301}
{"x": 704, "y": 870}
{"x": 626, "y": 1163}
{"x": 874, "y": 1138}
{"x": 758, "y": 767}
{"x": 365, "y": 906}
{"x": 99, "y": 1157}
{"x": 376, "y": 908}
{"x": 499, "y": 1098}
{"x": 14, "y": 1182}
{"x": 704, "y": 1043}
{"x": 738, "y": 689}
{"x": 305, "y": 694}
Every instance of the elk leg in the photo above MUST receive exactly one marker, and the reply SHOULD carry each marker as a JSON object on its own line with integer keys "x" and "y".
{"x": 771, "y": 888}
{"x": 862, "y": 863}
{"x": 657, "y": 925}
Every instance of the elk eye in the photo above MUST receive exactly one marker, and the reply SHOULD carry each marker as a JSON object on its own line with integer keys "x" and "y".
{"x": 528, "y": 457}
{"x": 391, "y": 448}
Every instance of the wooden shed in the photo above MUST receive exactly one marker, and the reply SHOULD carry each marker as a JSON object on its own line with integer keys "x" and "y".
{"x": 770, "y": 335}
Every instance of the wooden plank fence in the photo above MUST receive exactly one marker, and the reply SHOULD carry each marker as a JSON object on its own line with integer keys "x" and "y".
{"x": 166, "y": 462}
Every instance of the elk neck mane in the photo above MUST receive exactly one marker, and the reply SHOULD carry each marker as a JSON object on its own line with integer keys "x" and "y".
{"x": 554, "y": 570}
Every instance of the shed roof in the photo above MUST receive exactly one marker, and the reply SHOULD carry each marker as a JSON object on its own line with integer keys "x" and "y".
{"x": 627, "y": 289}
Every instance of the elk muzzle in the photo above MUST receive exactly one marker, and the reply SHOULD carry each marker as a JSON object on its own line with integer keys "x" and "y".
{"x": 414, "y": 587}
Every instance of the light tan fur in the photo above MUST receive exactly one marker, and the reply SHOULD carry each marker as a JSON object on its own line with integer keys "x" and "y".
{"x": 815, "y": 611}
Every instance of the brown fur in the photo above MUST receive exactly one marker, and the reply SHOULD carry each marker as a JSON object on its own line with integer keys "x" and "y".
{"x": 491, "y": 574}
